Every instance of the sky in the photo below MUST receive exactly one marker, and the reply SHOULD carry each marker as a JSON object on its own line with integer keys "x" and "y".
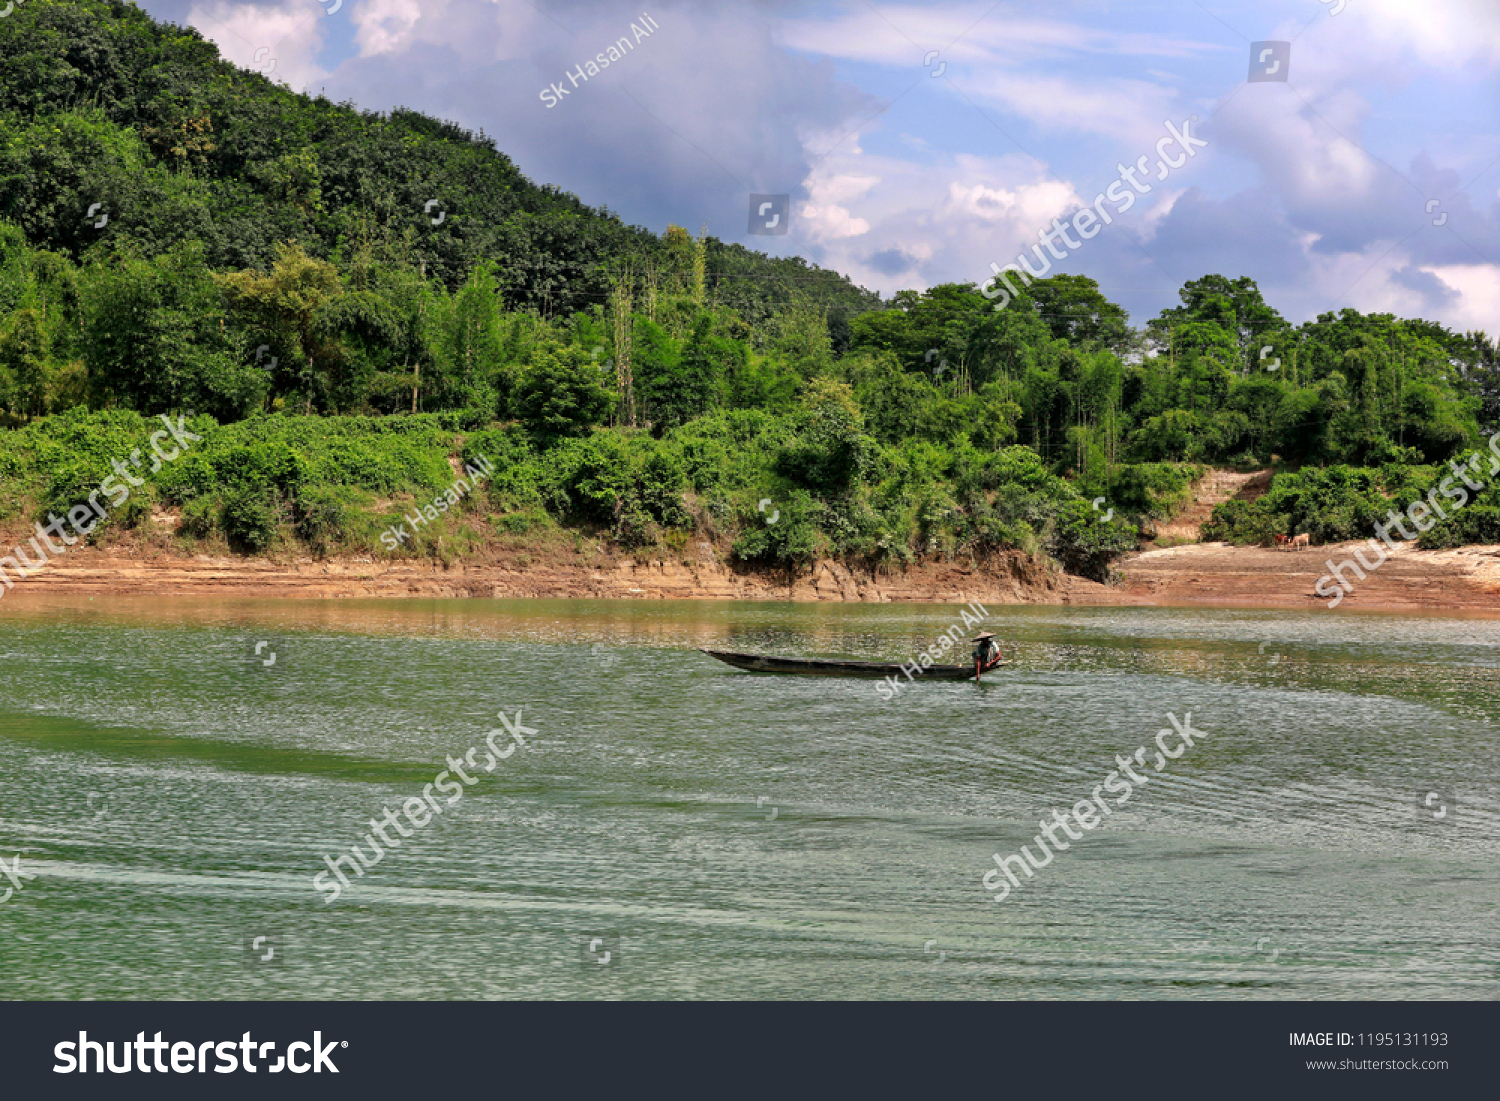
{"x": 919, "y": 144}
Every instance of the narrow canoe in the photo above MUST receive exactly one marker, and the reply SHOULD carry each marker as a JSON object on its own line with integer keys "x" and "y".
{"x": 761, "y": 663}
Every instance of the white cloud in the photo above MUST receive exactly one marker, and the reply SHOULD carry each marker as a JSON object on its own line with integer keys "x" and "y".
{"x": 1026, "y": 204}
{"x": 1126, "y": 111}
{"x": 977, "y": 34}
{"x": 899, "y": 225}
{"x": 840, "y": 189}
{"x": 1043, "y": 70}
{"x": 1478, "y": 305}
{"x": 832, "y": 222}
{"x": 280, "y": 41}
{"x": 385, "y": 25}
{"x": 1452, "y": 33}
{"x": 1159, "y": 210}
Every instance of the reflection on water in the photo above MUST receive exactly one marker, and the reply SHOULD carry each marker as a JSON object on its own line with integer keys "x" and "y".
{"x": 174, "y": 771}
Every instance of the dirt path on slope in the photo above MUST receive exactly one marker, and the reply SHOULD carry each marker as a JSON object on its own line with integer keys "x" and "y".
{"x": 1210, "y": 491}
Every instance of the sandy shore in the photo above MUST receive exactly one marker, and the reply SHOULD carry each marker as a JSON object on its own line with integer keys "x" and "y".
{"x": 1465, "y": 580}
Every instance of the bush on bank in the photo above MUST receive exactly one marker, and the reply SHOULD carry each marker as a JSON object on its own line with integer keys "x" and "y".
{"x": 1340, "y": 503}
{"x": 779, "y": 489}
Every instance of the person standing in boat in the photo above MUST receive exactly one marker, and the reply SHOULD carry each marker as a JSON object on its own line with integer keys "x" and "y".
{"x": 985, "y": 650}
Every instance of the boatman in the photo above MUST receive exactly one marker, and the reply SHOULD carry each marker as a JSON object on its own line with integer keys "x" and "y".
{"x": 985, "y": 650}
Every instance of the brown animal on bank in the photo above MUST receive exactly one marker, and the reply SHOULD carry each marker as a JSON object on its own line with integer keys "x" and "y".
{"x": 1282, "y": 541}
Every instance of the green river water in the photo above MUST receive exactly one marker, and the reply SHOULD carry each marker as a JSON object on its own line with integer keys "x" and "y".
{"x": 720, "y": 834}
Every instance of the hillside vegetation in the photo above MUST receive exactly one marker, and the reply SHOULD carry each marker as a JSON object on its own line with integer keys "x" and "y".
{"x": 179, "y": 235}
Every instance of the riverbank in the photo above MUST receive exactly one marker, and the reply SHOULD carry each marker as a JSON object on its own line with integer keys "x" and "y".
{"x": 1009, "y": 578}
{"x": 1466, "y": 579}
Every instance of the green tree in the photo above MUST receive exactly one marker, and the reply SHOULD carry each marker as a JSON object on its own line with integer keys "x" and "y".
{"x": 656, "y": 369}
{"x": 676, "y": 391}
{"x": 1235, "y": 306}
{"x": 155, "y": 336}
{"x": 563, "y": 393}
{"x": 471, "y": 342}
{"x": 1073, "y": 310}
{"x": 281, "y": 309}
{"x": 831, "y": 451}
{"x": 24, "y": 363}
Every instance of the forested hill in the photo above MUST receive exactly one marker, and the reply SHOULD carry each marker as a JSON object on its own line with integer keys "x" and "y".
{"x": 178, "y": 235}
{"x": 105, "y": 109}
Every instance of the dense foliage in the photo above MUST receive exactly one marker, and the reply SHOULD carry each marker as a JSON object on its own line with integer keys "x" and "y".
{"x": 177, "y": 234}
{"x": 1342, "y": 502}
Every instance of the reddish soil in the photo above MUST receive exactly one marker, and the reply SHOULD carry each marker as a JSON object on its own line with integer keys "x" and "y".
{"x": 1012, "y": 578}
{"x": 1467, "y": 579}
{"x": 1209, "y": 574}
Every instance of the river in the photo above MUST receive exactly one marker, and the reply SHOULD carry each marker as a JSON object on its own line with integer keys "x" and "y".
{"x": 174, "y": 771}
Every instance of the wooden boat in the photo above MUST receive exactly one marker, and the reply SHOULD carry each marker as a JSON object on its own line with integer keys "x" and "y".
{"x": 816, "y": 667}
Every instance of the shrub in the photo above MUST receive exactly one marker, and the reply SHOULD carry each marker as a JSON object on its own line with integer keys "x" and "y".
{"x": 519, "y": 523}
{"x": 504, "y": 447}
{"x": 1331, "y": 505}
{"x": 200, "y": 516}
{"x": 1157, "y": 490}
{"x": 1475, "y": 524}
{"x": 249, "y": 520}
{"x": 323, "y": 516}
{"x": 1087, "y": 545}
{"x": 71, "y": 485}
{"x": 562, "y": 394}
{"x": 830, "y": 451}
{"x": 790, "y": 541}
{"x": 1243, "y": 523}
